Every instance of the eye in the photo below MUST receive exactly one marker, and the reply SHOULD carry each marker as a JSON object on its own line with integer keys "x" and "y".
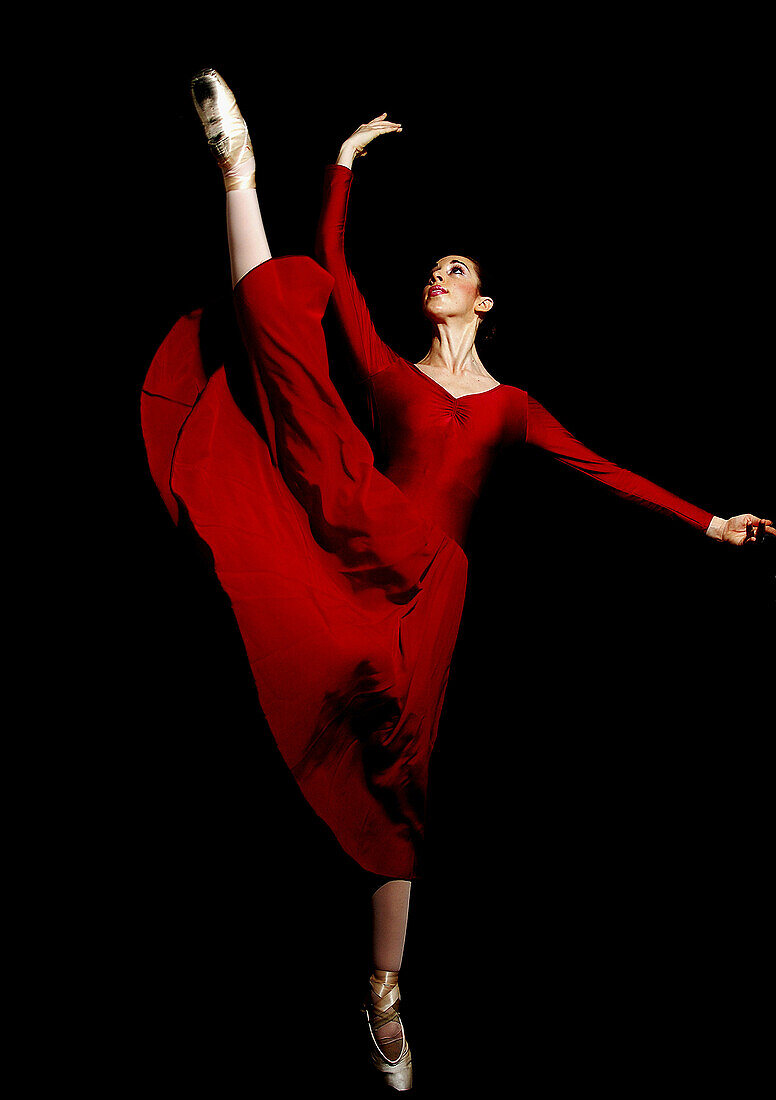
{"x": 457, "y": 270}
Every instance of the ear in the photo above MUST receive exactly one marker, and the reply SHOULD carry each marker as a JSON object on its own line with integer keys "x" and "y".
{"x": 484, "y": 305}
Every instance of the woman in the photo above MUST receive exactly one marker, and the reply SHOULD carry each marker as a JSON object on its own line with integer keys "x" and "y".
{"x": 348, "y": 582}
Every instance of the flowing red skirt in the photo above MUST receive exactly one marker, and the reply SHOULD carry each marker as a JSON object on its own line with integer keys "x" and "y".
{"x": 347, "y": 598}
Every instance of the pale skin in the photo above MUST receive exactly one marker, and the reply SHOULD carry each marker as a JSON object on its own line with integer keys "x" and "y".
{"x": 453, "y": 303}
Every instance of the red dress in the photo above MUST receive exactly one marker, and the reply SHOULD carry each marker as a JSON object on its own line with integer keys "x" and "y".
{"x": 347, "y": 582}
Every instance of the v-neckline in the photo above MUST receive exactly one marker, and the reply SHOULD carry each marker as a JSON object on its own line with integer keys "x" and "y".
{"x": 444, "y": 389}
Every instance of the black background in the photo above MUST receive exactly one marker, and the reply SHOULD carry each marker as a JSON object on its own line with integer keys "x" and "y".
{"x": 593, "y": 908}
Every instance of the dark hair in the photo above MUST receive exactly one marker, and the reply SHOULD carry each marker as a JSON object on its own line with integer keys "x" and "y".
{"x": 487, "y": 329}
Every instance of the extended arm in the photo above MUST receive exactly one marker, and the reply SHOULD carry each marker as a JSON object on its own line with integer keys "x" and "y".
{"x": 370, "y": 352}
{"x": 543, "y": 430}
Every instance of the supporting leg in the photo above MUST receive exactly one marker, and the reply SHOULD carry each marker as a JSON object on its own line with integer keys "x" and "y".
{"x": 390, "y": 910}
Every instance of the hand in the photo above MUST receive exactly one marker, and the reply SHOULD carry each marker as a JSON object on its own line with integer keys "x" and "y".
{"x": 355, "y": 145}
{"x": 745, "y": 529}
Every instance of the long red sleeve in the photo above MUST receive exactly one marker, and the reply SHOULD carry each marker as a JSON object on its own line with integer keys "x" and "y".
{"x": 371, "y": 354}
{"x": 373, "y": 357}
{"x": 544, "y": 431}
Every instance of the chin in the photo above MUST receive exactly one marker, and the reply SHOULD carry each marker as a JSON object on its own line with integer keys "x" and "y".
{"x": 434, "y": 309}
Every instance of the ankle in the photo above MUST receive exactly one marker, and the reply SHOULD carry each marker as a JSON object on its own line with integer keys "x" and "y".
{"x": 390, "y": 1050}
{"x": 242, "y": 177}
{"x": 382, "y": 982}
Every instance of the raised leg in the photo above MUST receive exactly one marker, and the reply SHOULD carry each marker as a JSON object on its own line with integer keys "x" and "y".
{"x": 247, "y": 239}
{"x": 230, "y": 143}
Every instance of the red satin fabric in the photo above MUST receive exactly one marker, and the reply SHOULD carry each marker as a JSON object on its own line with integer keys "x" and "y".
{"x": 439, "y": 449}
{"x": 347, "y": 597}
{"x": 347, "y": 583}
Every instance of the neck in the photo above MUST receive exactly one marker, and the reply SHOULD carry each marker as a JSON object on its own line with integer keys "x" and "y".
{"x": 452, "y": 349}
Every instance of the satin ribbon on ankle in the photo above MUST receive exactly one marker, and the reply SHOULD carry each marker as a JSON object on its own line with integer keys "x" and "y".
{"x": 384, "y": 982}
{"x": 385, "y": 994}
{"x": 240, "y": 183}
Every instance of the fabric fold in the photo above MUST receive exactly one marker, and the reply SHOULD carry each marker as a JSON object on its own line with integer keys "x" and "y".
{"x": 322, "y": 558}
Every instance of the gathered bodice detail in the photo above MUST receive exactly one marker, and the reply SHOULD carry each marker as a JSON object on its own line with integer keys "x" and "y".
{"x": 438, "y": 448}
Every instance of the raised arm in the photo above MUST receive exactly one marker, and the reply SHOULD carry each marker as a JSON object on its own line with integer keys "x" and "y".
{"x": 543, "y": 430}
{"x": 370, "y": 352}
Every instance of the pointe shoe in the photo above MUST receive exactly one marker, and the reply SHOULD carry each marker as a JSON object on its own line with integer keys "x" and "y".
{"x": 225, "y": 129}
{"x": 397, "y": 1072}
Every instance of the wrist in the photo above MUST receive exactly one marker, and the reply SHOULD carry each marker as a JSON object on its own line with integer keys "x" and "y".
{"x": 347, "y": 155}
{"x": 716, "y": 529}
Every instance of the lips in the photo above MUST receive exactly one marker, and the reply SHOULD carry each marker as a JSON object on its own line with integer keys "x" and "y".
{"x": 436, "y": 290}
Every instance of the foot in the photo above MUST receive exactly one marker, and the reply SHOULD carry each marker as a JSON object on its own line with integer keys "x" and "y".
{"x": 386, "y": 1028}
{"x": 225, "y": 129}
{"x": 390, "y": 1050}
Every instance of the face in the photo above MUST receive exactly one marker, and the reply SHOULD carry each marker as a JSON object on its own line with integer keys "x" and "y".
{"x": 452, "y": 290}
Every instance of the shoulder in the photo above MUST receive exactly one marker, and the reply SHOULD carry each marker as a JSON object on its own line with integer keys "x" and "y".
{"x": 515, "y": 403}
{"x": 514, "y": 396}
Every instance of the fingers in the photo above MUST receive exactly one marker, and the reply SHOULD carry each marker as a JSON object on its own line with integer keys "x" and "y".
{"x": 370, "y": 130}
{"x": 763, "y": 527}
{"x": 381, "y": 123}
